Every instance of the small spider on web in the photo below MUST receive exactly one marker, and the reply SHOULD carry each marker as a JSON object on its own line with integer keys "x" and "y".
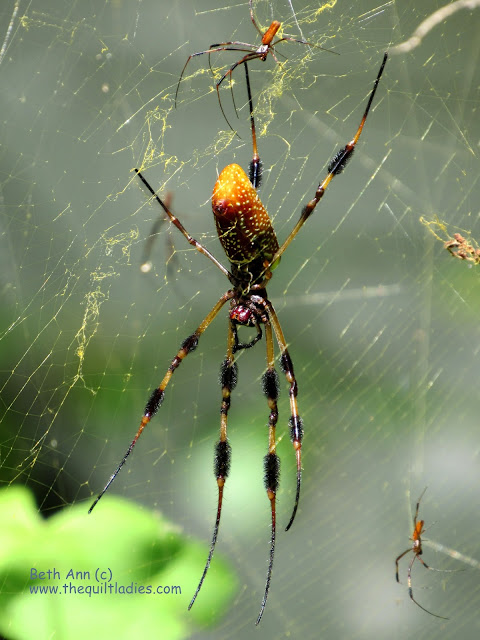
{"x": 252, "y": 52}
{"x": 417, "y": 550}
{"x": 458, "y": 246}
{"x": 247, "y": 236}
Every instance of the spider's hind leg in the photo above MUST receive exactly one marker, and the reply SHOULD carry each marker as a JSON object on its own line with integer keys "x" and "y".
{"x": 295, "y": 421}
{"x": 271, "y": 461}
{"x": 228, "y": 381}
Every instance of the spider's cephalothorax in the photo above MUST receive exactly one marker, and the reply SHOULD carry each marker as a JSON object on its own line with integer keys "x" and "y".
{"x": 248, "y": 311}
{"x": 251, "y": 246}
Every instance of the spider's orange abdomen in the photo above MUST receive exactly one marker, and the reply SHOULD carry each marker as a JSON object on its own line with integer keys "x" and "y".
{"x": 243, "y": 224}
{"x": 417, "y": 532}
{"x": 270, "y": 33}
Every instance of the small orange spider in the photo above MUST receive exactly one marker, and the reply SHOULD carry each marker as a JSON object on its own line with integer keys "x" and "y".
{"x": 417, "y": 549}
{"x": 252, "y": 52}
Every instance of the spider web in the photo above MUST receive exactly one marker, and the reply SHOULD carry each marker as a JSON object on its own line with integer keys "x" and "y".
{"x": 379, "y": 318}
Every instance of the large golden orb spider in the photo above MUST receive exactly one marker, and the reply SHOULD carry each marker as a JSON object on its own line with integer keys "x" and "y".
{"x": 251, "y": 246}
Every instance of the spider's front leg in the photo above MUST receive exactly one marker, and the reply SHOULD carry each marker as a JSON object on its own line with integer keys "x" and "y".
{"x": 335, "y": 168}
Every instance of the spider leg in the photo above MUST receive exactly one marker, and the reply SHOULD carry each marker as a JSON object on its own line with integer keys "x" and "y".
{"x": 221, "y": 46}
{"x": 199, "y": 247}
{"x": 146, "y": 263}
{"x": 271, "y": 460}
{"x": 427, "y": 566}
{"x": 251, "y": 55}
{"x": 410, "y": 590}
{"x": 295, "y": 421}
{"x": 228, "y": 380}
{"x": 251, "y": 49}
{"x": 417, "y": 508}
{"x": 336, "y": 166}
{"x": 250, "y": 4}
{"x": 246, "y": 345}
{"x": 157, "y": 395}
{"x": 172, "y": 259}
{"x": 398, "y": 560}
{"x": 274, "y": 55}
{"x": 240, "y": 46}
{"x": 255, "y": 169}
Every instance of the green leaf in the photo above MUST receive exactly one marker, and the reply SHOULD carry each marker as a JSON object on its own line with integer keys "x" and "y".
{"x": 98, "y": 565}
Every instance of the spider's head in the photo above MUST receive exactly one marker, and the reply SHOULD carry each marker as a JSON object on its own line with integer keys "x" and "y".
{"x": 243, "y": 315}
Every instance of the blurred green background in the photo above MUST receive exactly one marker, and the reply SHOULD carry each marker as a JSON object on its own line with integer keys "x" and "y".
{"x": 381, "y": 321}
